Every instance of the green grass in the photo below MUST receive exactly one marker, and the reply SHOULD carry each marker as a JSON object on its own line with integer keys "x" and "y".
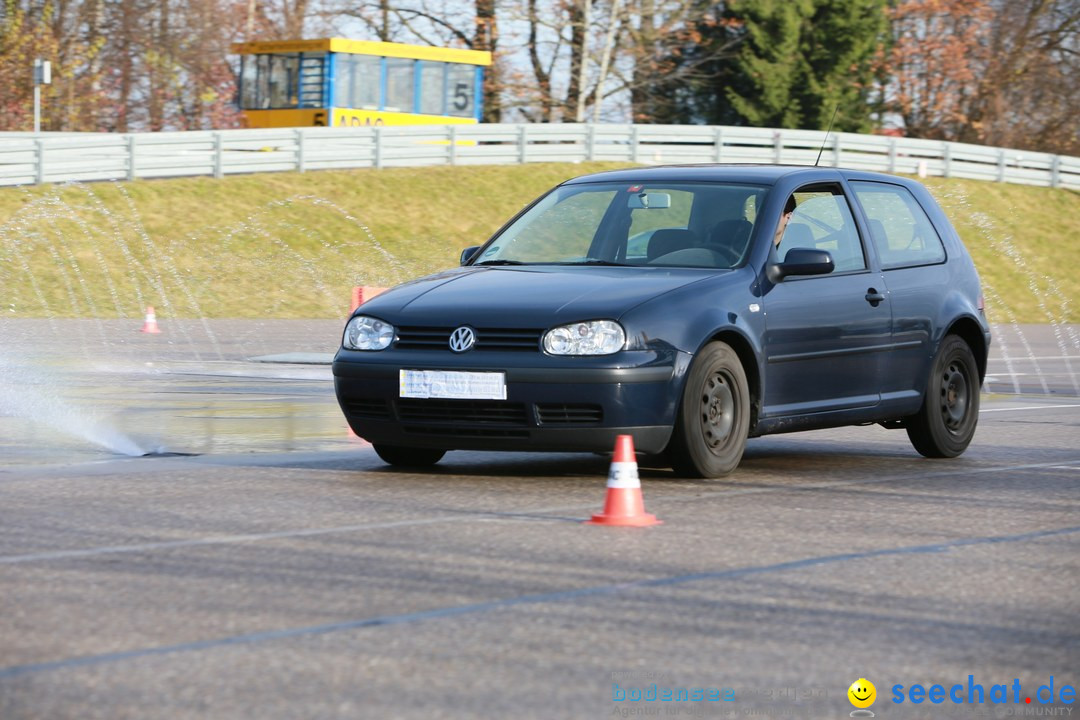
{"x": 293, "y": 245}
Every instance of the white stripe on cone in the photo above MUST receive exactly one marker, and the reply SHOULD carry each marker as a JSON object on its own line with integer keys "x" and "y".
{"x": 623, "y": 475}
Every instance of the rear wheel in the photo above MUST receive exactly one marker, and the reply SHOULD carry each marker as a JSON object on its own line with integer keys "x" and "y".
{"x": 714, "y": 416}
{"x": 408, "y": 456}
{"x": 945, "y": 424}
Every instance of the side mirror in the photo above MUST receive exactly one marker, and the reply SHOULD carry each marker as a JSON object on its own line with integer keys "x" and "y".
{"x": 467, "y": 253}
{"x": 802, "y": 261}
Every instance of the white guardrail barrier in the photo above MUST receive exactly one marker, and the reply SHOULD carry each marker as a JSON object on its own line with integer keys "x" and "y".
{"x": 26, "y": 158}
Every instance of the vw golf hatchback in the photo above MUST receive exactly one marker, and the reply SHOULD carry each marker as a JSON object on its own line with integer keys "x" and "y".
{"x": 690, "y": 307}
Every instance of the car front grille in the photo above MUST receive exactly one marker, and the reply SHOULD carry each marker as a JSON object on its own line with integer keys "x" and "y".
{"x": 566, "y": 414}
{"x": 467, "y": 432}
{"x": 471, "y": 412}
{"x": 463, "y": 418}
{"x": 473, "y": 418}
{"x": 414, "y": 337}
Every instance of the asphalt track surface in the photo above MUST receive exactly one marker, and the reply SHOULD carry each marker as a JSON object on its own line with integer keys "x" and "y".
{"x": 282, "y": 571}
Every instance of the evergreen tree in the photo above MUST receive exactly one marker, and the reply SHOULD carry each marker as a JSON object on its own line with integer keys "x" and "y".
{"x": 842, "y": 46}
{"x": 771, "y": 63}
{"x": 794, "y": 61}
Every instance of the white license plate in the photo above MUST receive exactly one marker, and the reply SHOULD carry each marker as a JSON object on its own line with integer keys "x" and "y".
{"x": 450, "y": 384}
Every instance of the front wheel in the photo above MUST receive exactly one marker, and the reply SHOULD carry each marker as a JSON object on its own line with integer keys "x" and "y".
{"x": 945, "y": 424}
{"x": 714, "y": 416}
{"x": 407, "y": 456}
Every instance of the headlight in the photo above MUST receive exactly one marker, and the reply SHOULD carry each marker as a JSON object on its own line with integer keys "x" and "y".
{"x": 597, "y": 337}
{"x": 367, "y": 333}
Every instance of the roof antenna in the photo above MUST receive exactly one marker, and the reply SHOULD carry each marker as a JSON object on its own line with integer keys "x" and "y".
{"x": 826, "y": 138}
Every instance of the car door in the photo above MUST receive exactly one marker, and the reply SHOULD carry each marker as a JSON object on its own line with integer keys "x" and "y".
{"x": 826, "y": 336}
{"x": 912, "y": 260}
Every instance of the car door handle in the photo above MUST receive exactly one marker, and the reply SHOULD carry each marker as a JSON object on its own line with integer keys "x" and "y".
{"x": 874, "y": 297}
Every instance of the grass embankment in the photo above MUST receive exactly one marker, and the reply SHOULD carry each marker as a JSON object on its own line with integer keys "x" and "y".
{"x": 293, "y": 245}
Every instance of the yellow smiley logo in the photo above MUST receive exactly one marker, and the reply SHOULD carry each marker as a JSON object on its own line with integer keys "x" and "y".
{"x": 862, "y": 693}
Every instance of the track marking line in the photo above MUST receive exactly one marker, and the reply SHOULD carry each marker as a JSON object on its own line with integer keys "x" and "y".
{"x": 1022, "y": 358}
{"x": 1029, "y": 407}
{"x": 535, "y": 599}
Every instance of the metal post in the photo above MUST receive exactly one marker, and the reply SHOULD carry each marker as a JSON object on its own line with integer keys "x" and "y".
{"x": 778, "y": 147}
{"x": 453, "y": 144}
{"x": 946, "y": 160}
{"x": 892, "y": 155}
{"x": 1001, "y": 165}
{"x": 42, "y": 76}
{"x": 300, "y": 150}
{"x": 131, "y": 158}
{"x": 1055, "y": 172}
{"x": 523, "y": 144}
{"x": 219, "y": 171}
{"x": 39, "y": 145}
{"x": 590, "y": 142}
{"x": 718, "y": 144}
{"x": 378, "y": 132}
{"x": 635, "y": 143}
{"x": 836, "y": 150}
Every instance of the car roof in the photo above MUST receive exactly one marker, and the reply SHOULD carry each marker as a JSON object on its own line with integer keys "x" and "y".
{"x": 753, "y": 174}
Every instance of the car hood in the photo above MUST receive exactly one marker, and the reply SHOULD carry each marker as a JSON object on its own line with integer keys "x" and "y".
{"x": 536, "y": 296}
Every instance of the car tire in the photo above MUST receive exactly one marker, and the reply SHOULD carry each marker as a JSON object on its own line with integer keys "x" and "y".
{"x": 714, "y": 416}
{"x": 945, "y": 424}
{"x": 408, "y": 456}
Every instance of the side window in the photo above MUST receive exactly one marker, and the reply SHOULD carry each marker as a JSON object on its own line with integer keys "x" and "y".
{"x": 432, "y": 83}
{"x": 400, "y": 91}
{"x": 249, "y": 81}
{"x": 365, "y": 90}
{"x": 283, "y": 80}
{"x": 823, "y": 220}
{"x": 900, "y": 229}
{"x": 344, "y": 70}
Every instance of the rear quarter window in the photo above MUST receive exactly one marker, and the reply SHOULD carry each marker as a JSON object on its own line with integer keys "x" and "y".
{"x": 899, "y": 228}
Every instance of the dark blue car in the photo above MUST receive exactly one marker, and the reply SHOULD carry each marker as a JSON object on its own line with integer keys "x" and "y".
{"x": 690, "y": 307}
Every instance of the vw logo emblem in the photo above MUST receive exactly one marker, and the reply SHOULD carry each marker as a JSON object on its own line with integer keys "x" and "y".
{"x": 462, "y": 339}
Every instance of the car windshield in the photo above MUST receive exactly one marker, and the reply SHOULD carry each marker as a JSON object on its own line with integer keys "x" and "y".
{"x": 665, "y": 223}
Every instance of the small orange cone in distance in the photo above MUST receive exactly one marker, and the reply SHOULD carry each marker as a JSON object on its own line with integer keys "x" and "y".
{"x": 150, "y": 324}
{"x": 624, "y": 504}
{"x": 362, "y": 293}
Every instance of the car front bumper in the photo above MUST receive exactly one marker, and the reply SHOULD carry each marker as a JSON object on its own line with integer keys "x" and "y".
{"x": 552, "y": 404}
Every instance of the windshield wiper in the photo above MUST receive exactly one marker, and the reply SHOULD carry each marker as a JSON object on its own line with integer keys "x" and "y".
{"x": 500, "y": 262}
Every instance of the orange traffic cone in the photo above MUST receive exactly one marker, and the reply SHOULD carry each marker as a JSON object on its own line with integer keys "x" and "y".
{"x": 150, "y": 325}
{"x": 624, "y": 504}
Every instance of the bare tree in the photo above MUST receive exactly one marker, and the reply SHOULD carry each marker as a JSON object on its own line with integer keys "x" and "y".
{"x": 558, "y": 43}
{"x": 486, "y": 38}
{"x": 1002, "y": 72}
{"x": 1028, "y": 94}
